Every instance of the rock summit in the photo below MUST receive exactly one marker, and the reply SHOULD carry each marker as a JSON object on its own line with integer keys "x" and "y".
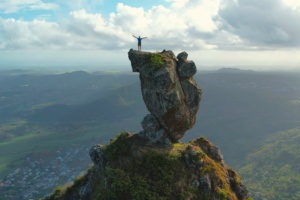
{"x": 169, "y": 91}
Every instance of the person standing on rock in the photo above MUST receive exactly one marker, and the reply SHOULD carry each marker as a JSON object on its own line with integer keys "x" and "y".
{"x": 139, "y": 42}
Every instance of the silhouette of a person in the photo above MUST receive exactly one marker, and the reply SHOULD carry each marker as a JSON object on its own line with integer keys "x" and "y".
{"x": 139, "y": 42}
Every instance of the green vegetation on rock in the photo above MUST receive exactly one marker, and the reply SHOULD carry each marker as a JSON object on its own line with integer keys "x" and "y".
{"x": 133, "y": 169}
{"x": 157, "y": 59}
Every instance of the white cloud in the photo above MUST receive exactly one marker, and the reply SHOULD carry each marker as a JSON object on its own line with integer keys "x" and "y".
{"x": 12, "y": 6}
{"x": 294, "y": 4}
{"x": 130, "y": 20}
{"x": 185, "y": 27}
{"x": 92, "y": 31}
{"x": 191, "y": 25}
{"x": 197, "y": 14}
{"x": 268, "y": 24}
{"x": 18, "y": 34}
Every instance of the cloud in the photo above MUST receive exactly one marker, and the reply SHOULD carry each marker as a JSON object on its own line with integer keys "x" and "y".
{"x": 175, "y": 27}
{"x": 37, "y": 34}
{"x": 13, "y": 6}
{"x": 294, "y": 4}
{"x": 93, "y": 31}
{"x": 267, "y": 24}
{"x": 183, "y": 25}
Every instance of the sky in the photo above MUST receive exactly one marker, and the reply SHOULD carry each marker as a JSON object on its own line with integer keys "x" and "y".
{"x": 248, "y": 34}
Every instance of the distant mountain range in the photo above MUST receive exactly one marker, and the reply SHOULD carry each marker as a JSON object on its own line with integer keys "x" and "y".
{"x": 234, "y": 70}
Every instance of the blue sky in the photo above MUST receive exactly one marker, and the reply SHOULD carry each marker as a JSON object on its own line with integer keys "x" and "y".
{"x": 63, "y": 8}
{"x": 252, "y": 34}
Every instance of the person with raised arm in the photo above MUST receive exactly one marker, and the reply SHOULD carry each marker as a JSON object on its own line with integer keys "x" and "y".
{"x": 139, "y": 42}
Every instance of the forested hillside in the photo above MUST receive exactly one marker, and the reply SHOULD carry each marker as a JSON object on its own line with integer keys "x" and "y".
{"x": 273, "y": 171}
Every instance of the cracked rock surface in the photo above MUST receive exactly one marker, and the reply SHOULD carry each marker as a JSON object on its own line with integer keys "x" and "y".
{"x": 169, "y": 91}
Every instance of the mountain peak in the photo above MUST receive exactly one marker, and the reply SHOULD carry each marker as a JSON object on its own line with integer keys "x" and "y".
{"x": 131, "y": 168}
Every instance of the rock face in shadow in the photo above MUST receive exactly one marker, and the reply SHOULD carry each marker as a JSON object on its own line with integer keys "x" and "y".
{"x": 169, "y": 91}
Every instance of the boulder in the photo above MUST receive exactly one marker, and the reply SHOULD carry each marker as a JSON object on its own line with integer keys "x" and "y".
{"x": 216, "y": 153}
{"x": 150, "y": 123}
{"x": 171, "y": 101}
{"x": 205, "y": 183}
{"x": 97, "y": 156}
{"x": 182, "y": 56}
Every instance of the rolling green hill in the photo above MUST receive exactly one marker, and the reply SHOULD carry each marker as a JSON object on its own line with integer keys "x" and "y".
{"x": 273, "y": 171}
{"x": 132, "y": 168}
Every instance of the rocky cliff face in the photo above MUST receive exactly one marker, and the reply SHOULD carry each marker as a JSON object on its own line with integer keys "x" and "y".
{"x": 144, "y": 166}
{"x": 169, "y": 92}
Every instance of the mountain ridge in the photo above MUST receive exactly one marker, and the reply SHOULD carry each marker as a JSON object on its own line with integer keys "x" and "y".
{"x": 131, "y": 167}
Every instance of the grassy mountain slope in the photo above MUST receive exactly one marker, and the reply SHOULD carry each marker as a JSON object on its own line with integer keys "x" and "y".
{"x": 129, "y": 168}
{"x": 273, "y": 172}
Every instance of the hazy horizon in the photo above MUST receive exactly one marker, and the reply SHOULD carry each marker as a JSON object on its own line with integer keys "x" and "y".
{"x": 128, "y": 69}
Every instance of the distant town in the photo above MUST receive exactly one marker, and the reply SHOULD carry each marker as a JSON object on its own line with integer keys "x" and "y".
{"x": 39, "y": 177}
